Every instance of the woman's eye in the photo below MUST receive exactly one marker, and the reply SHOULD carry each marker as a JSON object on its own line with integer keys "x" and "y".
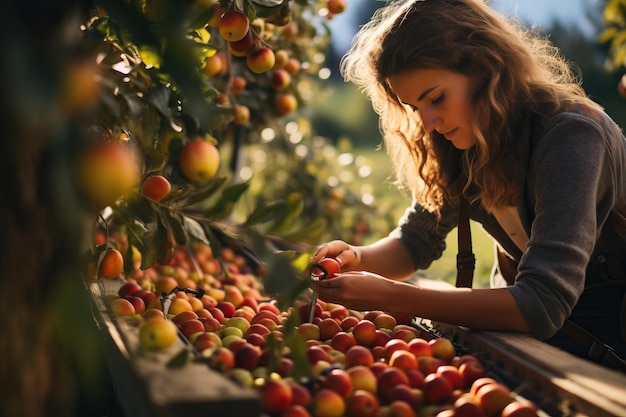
{"x": 439, "y": 99}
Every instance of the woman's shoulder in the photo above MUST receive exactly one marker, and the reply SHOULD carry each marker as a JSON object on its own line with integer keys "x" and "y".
{"x": 578, "y": 116}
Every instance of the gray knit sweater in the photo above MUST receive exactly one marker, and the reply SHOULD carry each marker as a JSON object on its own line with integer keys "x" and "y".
{"x": 574, "y": 186}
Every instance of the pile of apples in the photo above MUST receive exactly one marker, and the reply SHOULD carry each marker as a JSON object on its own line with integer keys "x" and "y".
{"x": 360, "y": 364}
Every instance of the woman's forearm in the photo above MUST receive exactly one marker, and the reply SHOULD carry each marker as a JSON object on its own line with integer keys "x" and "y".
{"x": 487, "y": 309}
{"x": 387, "y": 257}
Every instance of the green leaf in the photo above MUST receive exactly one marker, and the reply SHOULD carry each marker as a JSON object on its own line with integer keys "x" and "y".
{"x": 265, "y": 212}
{"x": 310, "y": 232}
{"x": 179, "y": 360}
{"x": 159, "y": 98}
{"x": 267, "y": 3}
{"x": 195, "y": 229}
{"x": 202, "y": 193}
{"x": 226, "y": 203}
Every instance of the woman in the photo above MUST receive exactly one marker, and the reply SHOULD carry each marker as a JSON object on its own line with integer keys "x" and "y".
{"x": 473, "y": 106}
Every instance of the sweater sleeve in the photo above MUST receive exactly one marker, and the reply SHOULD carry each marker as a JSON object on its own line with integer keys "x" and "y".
{"x": 423, "y": 234}
{"x": 571, "y": 185}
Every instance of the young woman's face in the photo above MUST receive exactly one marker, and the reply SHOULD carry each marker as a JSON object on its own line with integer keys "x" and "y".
{"x": 443, "y": 99}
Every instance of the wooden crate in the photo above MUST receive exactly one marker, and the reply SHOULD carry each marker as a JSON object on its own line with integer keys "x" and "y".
{"x": 559, "y": 383}
{"x": 144, "y": 384}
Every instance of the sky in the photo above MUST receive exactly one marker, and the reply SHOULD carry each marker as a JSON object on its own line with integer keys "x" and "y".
{"x": 534, "y": 12}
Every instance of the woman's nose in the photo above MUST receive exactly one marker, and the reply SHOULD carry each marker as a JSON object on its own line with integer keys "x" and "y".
{"x": 430, "y": 120}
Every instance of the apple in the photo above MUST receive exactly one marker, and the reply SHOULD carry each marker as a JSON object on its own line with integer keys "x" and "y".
{"x": 247, "y": 356}
{"x": 121, "y": 307}
{"x": 179, "y": 305}
{"x": 276, "y": 396}
{"x": 385, "y": 321}
{"x": 112, "y": 264}
{"x": 153, "y": 312}
{"x": 157, "y": 333}
{"x": 452, "y": 374}
{"x": 327, "y": 403}
{"x": 292, "y": 66}
{"x": 362, "y": 403}
{"x": 471, "y": 371}
{"x": 416, "y": 378}
{"x": 222, "y": 359}
{"x": 358, "y": 355}
{"x": 241, "y": 115}
{"x": 404, "y": 334}
{"x": 164, "y": 285}
{"x": 436, "y": 389}
{"x": 199, "y": 161}
{"x": 420, "y": 347}
{"x": 393, "y": 345}
{"x": 326, "y": 268}
{"x": 241, "y": 47}
{"x": 265, "y": 313}
{"x": 238, "y": 85}
{"x": 206, "y": 340}
{"x": 381, "y": 339}
{"x": 227, "y": 308}
{"x": 280, "y": 79}
{"x": 286, "y": 103}
{"x": 316, "y": 354}
{"x": 519, "y": 409}
{"x": 348, "y": 323}
{"x": 258, "y": 329}
{"x": 309, "y": 331}
{"x": 342, "y": 341}
{"x": 156, "y": 187}
{"x": 336, "y": 6}
{"x": 466, "y": 406}
{"x": 364, "y": 333}
{"x": 217, "y": 314}
{"x": 107, "y": 171}
{"x": 339, "y": 381}
{"x": 477, "y": 384}
{"x": 388, "y": 379}
{"x": 146, "y": 295}
{"x": 493, "y": 397}
{"x": 339, "y": 313}
{"x": 301, "y": 395}
{"x": 239, "y": 322}
{"x": 296, "y": 410}
{"x": 184, "y": 316}
{"x": 260, "y": 60}
{"x": 404, "y": 360}
{"x": 191, "y": 326}
{"x": 233, "y": 25}
{"x": 442, "y": 348}
{"x": 378, "y": 367}
{"x": 129, "y": 288}
{"x": 363, "y": 378}
{"x": 400, "y": 409}
{"x": 413, "y": 396}
{"x": 269, "y": 306}
{"x": 328, "y": 327}
{"x": 137, "y": 303}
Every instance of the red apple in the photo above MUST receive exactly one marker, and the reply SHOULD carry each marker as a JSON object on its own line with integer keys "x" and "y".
{"x": 247, "y": 356}
{"x": 413, "y": 396}
{"x": 361, "y": 403}
{"x": 339, "y": 381}
{"x": 339, "y": 313}
{"x": 280, "y": 79}
{"x": 328, "y": 328}
{"x": 400, "y": 409}
{"x": 348, "y": 323}
{"x": 260, "y": 60}
{"x": 191, "y": 326}
{"x": 156, "y": 187}
{"x": 286, "y": 103}
{"x": 112, "y": 264}
{"x": 471, "y": 371}
{"x": 327, "y": 403}
{"x": 276, "y": 396}
{"x": 420, "y": 347}
{"x": 342, "y": 341}
{"x": 388, "y": 379}
{"x": 121, "y": 307}
{"x": 519, "y": 409}
{"x": 296, "y": 410}
{"x": 138, "y": 303}
{"x": 452, "y": 374}
{"x": 364, "y": 333}
{"x": 403, "y": 359}
{"x": 416, "y": 378}
{"x": 242, "y": 46}
{"x": 227, "y": 308}
{"x": 316, "y": 354}
{"x": 395, "y": 344}
{"x": 358, "y": 355}
{"x": 233, "y": 25}
{"x": 436, "y": 389}
{"x": 129, "y": 288}
{"x": 466, "y": 406}
{"x": 378, "y": 367}
{"x": 363, "y": 378}
{"x": 301, "y": 395}
{"x": 493, "y": 398}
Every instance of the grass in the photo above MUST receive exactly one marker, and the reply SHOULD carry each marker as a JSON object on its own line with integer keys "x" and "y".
{"x": 445, "y": 267}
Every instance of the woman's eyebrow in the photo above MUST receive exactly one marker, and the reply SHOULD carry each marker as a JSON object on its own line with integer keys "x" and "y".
{"x": 428, "y": 90}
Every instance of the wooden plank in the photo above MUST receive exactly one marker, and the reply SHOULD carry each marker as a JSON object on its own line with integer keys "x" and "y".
{"x": 147, "y": 387}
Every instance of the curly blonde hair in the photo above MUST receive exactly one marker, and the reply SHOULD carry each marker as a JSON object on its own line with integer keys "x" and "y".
{"x": 519, "y": 71}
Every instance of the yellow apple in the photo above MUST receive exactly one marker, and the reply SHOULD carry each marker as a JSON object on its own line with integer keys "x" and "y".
{"x": 199, "y": 161}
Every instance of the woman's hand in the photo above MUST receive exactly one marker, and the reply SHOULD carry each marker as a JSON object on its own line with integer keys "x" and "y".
{"x": 348, "y": 256}
{"x": 358, "y": 290}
